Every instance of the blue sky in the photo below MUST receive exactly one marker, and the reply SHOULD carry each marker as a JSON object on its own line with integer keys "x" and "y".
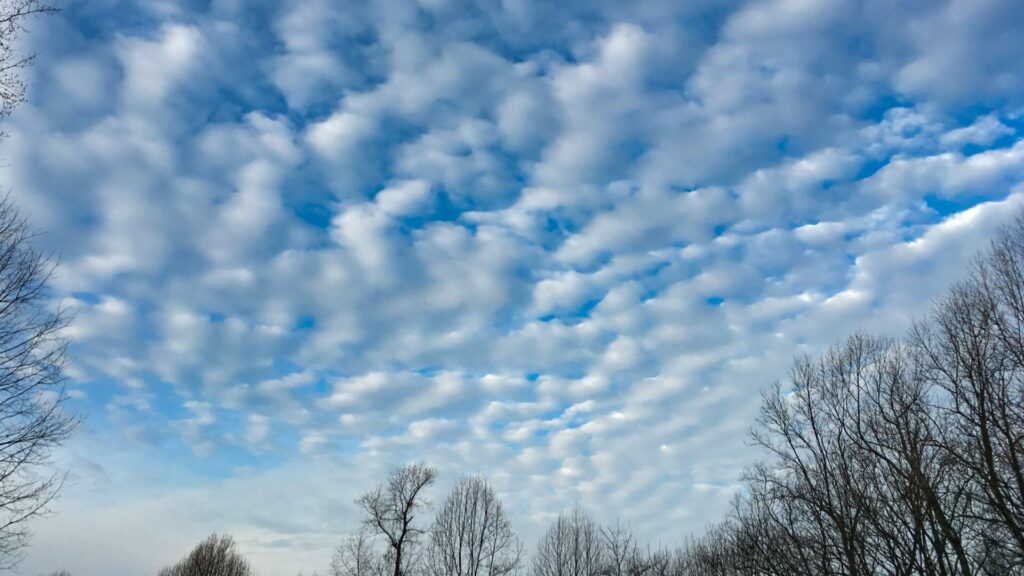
{"x": 561, "y": 244}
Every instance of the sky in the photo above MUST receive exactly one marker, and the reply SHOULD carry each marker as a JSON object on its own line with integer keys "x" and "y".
{"x": 563, "y": 245}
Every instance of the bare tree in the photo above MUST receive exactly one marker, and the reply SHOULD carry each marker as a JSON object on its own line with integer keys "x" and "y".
{"x": 661, "y": 562}
{"x": 713, "y": 554}
{"x": 31, "y": 350}
{"x": 901, "y": 459}
{"x": 32, "y": 422}
{"x": 572, "y": 546}
{"x": 622, "y": 553}
{"x": 857, "y": 483}
{"x": 215, "y": 556}
{"x": 972, "y": 348}
{"x": 12, "y": 16}
{"x": 773, "y": 536}
{"x": 919, "y": 509}
{"x": 472, "y": 536}
{"x": 357, "y": 556}
{"x": 391, "y": 511}
{"x": 812, "y": 468}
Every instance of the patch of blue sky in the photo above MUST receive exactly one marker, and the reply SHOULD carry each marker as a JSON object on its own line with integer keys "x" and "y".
{"x": 554, "y": 412}
{"x": 1013, "y": 129}
{"x": 943, "y": 206}
{"x": 882, "y": 104}
{"x": 109, "y": 403}
{"x": 576, "y": 314}
{"x": 91, "y": 399}
{"x": 283, "y": 367}
{"x": 231, "y": 104}
{"x": 1015, "y": 120}
{"x": 91, "y": 298}
{"x": 305, "y": 322}
{"x": 101, "y": 19}
{"x": 870, "y": 166}
{"x": 556, "y": 227}
{"x": 785, "y": 144}
{"x": 965, "y": 115}
{"x": 309, "y": 197}
{"x": 317, "y": 215}
{"x": 442, "y": 209}
{"x": 567, "y": 371}
{"x": 972, "y": 148}
{"x": 226, "y": 459}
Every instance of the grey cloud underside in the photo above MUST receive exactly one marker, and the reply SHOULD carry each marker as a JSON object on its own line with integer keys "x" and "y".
{"x": 563, "y": 247}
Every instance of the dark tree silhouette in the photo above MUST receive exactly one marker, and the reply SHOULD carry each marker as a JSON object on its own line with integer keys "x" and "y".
{"x": 32, "y": 351}
{"x": 893, "y": 457}
{"x": 471, "y": 535}
{"x": 215, "y": 556}
{"x": 12, "y": 16}
{"x": 572, "y": 546}
{"x": 391, "y": 511}
{"x": 357, "y": 556}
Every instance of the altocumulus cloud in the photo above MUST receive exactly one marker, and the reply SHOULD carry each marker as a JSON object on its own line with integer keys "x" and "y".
{"x": 560, "y": 244}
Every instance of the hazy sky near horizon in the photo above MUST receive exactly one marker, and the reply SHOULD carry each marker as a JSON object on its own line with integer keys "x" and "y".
{"x": 561, "y": 244}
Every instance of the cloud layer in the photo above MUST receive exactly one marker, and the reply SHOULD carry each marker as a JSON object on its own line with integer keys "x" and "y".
{"x": 562, "y": 247}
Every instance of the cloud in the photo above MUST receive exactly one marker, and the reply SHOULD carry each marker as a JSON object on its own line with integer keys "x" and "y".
{"x": 970, "y": 41}
{"x": 152, "y": 68}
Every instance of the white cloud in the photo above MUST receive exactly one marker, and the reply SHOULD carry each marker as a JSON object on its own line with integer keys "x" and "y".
{"x": 983, "y": 132}
{"x": 153, "y": 68}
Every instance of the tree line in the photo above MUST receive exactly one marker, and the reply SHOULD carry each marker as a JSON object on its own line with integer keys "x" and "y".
{"x": 881, "y": 457}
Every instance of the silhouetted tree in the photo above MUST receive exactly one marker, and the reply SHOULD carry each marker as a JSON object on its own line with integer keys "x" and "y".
{"x": 972, "y": 349}
{"x": 391, "y": 511}
{"x": 572, "y": 546}
{"x": 215, "y": 556}
{"x": 12, "y": 16}
{"x": 471, "y": 535}
{"x": 357, "y": 556}
{"x": 622, "y": 553}
{"x": 32, "y": 422}
{"x": 713, "y": 554}
{"x": 895, "y": 458}
{"x": 856, "y": 481}
{"x": 31, "y": 349}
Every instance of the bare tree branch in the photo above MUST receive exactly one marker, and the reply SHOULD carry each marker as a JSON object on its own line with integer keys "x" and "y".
{"x": 472, "y": 536}
{"x": 391, "y": 512}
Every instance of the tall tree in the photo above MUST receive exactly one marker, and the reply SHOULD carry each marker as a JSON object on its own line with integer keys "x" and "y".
{"x": 972, "y": 349}
{"x": 31, "y": 348}
{"x": 572, "y": 546}
{"x": 32, "y": 354}
{"x": 12, "y": 16}
{"x": 391, "y": 510}
{"x": 472, "y": 535}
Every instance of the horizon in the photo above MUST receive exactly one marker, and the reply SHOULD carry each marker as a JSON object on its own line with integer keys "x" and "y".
{"x": 561, "y": 246}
